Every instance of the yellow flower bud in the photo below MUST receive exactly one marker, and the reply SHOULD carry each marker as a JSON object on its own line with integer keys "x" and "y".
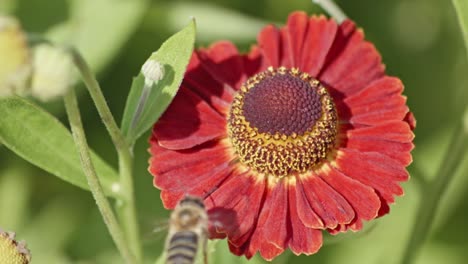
{"x": 15, "y": 66}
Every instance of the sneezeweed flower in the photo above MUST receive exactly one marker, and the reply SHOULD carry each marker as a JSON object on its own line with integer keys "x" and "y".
{"x": 15, "y": 66}
{"x": 11, "y": 251}
{"x": 53, "y": 72}
{"x": 304, "y": 133}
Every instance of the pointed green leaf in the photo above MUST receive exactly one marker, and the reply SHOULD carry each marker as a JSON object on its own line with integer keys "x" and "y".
{"x": 174, "y": 55}
{"x": 41, "y": 139}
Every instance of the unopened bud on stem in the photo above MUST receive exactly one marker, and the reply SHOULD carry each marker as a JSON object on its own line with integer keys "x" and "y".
{"x": 53, "y": 74}
{"x": 153, "y": 72}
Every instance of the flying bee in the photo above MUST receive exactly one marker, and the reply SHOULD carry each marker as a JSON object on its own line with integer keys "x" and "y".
{"x": 188, "y": 230}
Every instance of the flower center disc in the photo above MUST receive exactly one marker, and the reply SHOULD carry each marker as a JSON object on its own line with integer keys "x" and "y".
{"x": 282, "y": 122}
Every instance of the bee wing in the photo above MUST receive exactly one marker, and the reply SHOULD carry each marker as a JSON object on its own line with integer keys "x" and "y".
{"x": 156, "y": 232}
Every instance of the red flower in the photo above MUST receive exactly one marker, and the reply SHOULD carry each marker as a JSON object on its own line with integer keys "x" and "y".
{"x": 304, "y": 133}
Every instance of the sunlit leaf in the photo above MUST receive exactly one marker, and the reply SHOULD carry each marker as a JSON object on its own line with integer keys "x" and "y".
{"x": 174, "y": 55}
{"x": 39, "y": 138}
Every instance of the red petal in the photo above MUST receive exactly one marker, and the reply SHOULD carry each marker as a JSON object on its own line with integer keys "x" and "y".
{"x": 171, "y": 199}
{"x": 363, "y": 199}
{"x": 269, "y": 41}
{"x": 318, "y": 41}
{"x": 343, "y": 33}
{"x": 270, "y": 235}
{"x": 269, "y": 251}
{"x": 238, "y": 251}
{"x": 304, "y": 240}
{"x": 329, "y": 205}
{"x": 188, "y": 121}
{"x": 409, "y": 118}
{"x": 400, "y": 152}
{"x": 286, "y": 55}
{"x": 239, "y": 197}
{"x": 397, "y": 131}
{"x": 376, "y": 91}
{"x": 393, "y": 108}
{"x": 392, "y": 138}
{"x": 374, "y": 170}
{"x": 218, "y": 95}
{"x": 379, "y": 102}
{"x": 355, "y": 63}
{"x": 305, "y": 211}
{"x": 296, "y": 29}
{"x": 193, "y": 171}
{"x": 275, "y": 230}
{"x": 223, "y": 62}
{"x": 252, "y": 61}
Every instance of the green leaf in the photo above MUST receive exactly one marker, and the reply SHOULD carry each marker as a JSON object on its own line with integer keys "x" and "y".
{"x": 39, "y": 138}
{"x": 174, "y": 55}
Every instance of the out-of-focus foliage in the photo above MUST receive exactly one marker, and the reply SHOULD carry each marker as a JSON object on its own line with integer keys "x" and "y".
{"x": 420, "y": 41}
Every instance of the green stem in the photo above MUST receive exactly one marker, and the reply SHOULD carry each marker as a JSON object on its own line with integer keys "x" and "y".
{"x": 73, "y": 113}
{"x": 434, "y": 191}
{"x": 126, "y": 208}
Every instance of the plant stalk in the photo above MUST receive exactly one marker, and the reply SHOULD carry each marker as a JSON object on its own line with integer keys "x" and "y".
{"x": 79, "y": 137}
{"x": 126, "y": 208}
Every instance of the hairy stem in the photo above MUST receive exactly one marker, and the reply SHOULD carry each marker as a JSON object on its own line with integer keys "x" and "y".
{"x": 79, "y": 137}
{"x": 126, "y": 208}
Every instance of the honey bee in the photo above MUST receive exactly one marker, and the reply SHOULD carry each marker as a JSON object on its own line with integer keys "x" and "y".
{"x": 188, "y": 230}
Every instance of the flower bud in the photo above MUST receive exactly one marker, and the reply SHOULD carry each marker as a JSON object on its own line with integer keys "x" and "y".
{"x": 15, "y": 67}
{"x": 12, "y": 252}
{"x": 53, "y": 72}
{"x": 153, "y": 71}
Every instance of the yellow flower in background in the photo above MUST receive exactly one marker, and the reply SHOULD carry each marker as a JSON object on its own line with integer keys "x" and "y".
{"x": 12, "y": 252}
{"x": 15, "y": 64}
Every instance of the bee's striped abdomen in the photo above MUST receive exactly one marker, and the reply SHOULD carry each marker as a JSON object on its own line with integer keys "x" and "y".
{"x": 182, "y": 248}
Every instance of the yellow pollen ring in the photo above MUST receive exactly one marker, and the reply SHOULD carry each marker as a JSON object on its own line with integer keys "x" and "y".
{"x": 279, "y": 154}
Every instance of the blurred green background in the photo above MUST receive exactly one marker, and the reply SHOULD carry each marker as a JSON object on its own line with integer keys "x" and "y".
{"x": 419, "y": 40}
